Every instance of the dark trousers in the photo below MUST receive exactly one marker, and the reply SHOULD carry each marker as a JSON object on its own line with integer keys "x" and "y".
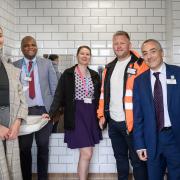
{"x": 42, "y": 141}
{"x": 123, "y": 151}
{"x": 168, "y": 155}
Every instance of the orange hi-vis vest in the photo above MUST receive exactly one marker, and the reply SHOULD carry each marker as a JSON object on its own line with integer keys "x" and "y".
{"x": 128, "y": 97}
{"x": 100, "y": 110}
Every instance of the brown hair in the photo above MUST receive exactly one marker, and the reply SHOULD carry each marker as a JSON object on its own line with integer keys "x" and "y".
{"x": 121, "y": 33}
{"x": 81, "y": 47}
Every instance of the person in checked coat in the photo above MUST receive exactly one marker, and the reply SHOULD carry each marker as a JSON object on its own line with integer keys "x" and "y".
{"x": 13, "y": 110}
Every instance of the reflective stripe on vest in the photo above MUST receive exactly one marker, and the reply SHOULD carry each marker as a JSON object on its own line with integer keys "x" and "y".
{"x": 100, "y": 111}
{"x": 128, "y": 99}
{"x": 128, "y": 106}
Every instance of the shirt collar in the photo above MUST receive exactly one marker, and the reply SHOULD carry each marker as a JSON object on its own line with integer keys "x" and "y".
{"x": 128, "y": 59}
{"x": 27, "y": 60}
{"x": 162, "y": 69}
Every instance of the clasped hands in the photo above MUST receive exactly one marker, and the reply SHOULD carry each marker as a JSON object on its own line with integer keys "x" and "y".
{"x": 11, "y": 132}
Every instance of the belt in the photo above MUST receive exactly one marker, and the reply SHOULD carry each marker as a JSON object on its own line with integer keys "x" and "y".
{"x": 166, "y": 128}
{"x": 3, "y": 107}
{"x": 36, "y": 107}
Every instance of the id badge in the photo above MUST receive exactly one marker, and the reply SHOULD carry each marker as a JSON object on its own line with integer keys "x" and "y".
{"x": 131, "y": 71}
{"x": 28, "y": 78}
{"x": 171, "y": 81}
{"x": 87, "y": 100}
{"x": 25, "y": 88}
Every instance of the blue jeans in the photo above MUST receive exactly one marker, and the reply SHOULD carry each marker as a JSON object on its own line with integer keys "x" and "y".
{"x": 123, "y": 151}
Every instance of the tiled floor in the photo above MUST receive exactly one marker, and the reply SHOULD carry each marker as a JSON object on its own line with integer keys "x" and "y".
{"x": 104, "y": 176}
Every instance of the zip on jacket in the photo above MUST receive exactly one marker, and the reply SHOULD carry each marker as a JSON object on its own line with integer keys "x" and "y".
{"x": 137, "y": 66}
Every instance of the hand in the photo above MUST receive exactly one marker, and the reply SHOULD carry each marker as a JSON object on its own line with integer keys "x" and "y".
{"x": 142, "y": 153}
{"x": 14, "y": 129}
{"x": 101, "y": 122}
{"x": 3, "y": 132}
{"x": 45, "y": 116}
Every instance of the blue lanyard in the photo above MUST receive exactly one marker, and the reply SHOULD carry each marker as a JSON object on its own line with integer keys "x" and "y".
{"x": 28, "y": 73}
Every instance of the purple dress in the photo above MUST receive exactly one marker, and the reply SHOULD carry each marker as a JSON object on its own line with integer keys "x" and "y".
{"x": 87, "y": 132}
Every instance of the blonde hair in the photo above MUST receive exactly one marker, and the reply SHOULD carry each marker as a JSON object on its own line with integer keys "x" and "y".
{"x": 121, "y": 33}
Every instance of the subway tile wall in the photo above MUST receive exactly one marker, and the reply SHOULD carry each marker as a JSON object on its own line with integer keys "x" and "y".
{"x": 175, "y": 50}
{"x": 64, "y": 160}
{"x": 7, "y": 21}
{"x": 61, "y": 26}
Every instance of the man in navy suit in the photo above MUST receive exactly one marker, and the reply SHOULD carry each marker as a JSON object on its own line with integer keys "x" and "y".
{"x": 156, "y": 103}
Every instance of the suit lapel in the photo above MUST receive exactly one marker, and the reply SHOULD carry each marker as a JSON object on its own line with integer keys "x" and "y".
{"x": 10, "y": 73}
{"x": 148, "y": 88}
{"x": 170, "y": 87}
{"x": 40, "y": 73}
{"x": 40, "y": 68}
{"x": 20, "y": 64}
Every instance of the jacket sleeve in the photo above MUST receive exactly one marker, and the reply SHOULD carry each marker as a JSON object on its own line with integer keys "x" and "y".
{"x": 58, "y": 97}
{"x": 100, "y": 111}
{"x": 138, "y": 131}
{"x": 52, "y": 78}
{"x": 23, "y": 107}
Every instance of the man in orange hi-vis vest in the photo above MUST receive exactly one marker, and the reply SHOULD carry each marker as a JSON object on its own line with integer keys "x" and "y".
{"x": 115, "y": 105}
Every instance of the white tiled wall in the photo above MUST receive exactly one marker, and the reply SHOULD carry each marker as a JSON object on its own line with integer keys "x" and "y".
{"x": 7, "y": 21}
{"x": 64, "y": 160}
{"x": 60, "y": 26}
{"x": 176, "y": 31}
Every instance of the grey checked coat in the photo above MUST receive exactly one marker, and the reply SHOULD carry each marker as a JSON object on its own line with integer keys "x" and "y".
{"x": 10, "y": 162}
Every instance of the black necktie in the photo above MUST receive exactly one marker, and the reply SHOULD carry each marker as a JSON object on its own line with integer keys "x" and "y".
{"x": 158, "y": 102}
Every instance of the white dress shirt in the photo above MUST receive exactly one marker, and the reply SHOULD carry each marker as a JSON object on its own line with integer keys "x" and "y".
{"x": 162, "y": 78}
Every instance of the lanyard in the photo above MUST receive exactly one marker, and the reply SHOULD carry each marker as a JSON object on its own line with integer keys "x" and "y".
{"x": 28, "y": 73}
{"x": 85, "y": 84}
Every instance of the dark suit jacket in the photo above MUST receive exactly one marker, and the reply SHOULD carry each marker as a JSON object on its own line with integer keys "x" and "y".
{"x": 65, "y": 96}
{"x": 145, "y": 133}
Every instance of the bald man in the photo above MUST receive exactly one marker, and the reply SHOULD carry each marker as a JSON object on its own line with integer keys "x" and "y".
{"x": 39, "y": 83}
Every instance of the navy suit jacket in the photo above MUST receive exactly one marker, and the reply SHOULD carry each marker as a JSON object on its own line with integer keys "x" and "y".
{"x": 145, "y": 131}
{"x": 47, "y": 79}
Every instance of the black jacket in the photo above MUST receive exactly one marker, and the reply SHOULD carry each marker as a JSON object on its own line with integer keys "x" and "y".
{"x": 110, "y": 68}
{"x": 65, "y": 96}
